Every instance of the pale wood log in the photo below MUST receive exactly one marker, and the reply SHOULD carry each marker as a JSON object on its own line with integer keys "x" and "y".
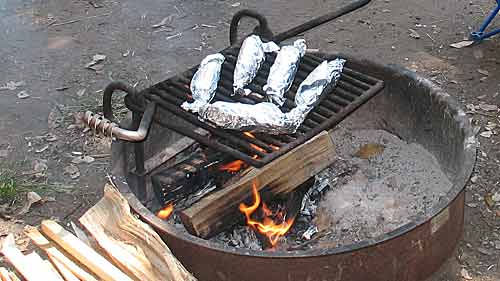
{"x": 13, "y": 276}
{"x": 35, "y": 260}
{"x": 83, "y": 253}
{"x": 30, "y": 272}
{"x": 4, "y": 274}
{"x": 219, "y": 210}
{"x": 64, "y": 271}
{"x": 56, "y": 254}
{"x": 131, "y": 243}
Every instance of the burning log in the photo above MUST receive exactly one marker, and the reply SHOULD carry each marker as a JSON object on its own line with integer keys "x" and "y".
{"x": 132, "y": 244}
{"x": 219, "y": 210}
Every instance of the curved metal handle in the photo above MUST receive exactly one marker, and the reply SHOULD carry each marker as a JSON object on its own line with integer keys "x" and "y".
{"x": 262, "y": 29}
{"x": 108, "y": 94}
{"x": 106, "y": 126}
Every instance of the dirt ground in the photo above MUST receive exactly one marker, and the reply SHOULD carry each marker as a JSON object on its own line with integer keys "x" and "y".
{"x": 45, "y": 45}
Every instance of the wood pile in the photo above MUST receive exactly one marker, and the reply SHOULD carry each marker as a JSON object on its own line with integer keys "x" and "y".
{"x": 122, "y": 248}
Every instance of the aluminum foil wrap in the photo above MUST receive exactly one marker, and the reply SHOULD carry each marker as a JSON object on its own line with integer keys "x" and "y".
{"x": 267, "y": 117}
{"x": 204, "y": 82}
{"x": 310, "y": 89}
{"x": 250, "y": 59}
{"x": 283, "y": 71}
{"x": 262, "y": 117}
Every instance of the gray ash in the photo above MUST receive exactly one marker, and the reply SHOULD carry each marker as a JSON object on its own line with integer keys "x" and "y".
{"x": 360, "y": 196}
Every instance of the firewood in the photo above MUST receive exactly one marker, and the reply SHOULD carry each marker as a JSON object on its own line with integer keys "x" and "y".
{"x": 30, "y": 272}
{"x": 131, "y": 243}
{"x": 56, "y": 254}
{"x": 4, "y": 274}
{"x": 13, "y": 276}
{"x": 64, "y": 271}
{"x": 35, "y": 259}
{"x": 219, "y": 210}
{"x": 83, "y": 253}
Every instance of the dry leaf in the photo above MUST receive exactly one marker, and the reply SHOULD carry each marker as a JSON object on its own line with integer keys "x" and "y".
{"x": 461, "y": 44}
{"x": 165, "y": 21}
{"x": 486, "y": 134}
{"x": 31, "y": 198}
{"x": 72, "y": 171}
{"x": 465, "y": 274}
{"x": 95, "y": 60}
{"x": 82, "y": 159}
{"x": 23, "y": 95}
{"x": 369, "y": 150}
{"x": 488, "y": 200}
{"x": 483, "y": 72}
{"x": 414, "y": 34}
{"x": 12, "y": 85}
{"x": 488, "y": 107}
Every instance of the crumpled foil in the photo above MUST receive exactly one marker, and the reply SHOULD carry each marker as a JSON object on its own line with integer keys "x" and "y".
{"x": 283, "y": 71}
{"x": 250, "y": 59}
{"x": 267, "y": 117}
{"x": 204, "y": 82}
{"x": 312, "y": 87}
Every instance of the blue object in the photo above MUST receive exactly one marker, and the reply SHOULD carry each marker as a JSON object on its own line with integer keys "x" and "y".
{"x": 480, "y": 35}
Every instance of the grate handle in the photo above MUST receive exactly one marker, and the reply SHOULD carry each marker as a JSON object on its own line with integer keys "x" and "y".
{"x": 263, "y": 28}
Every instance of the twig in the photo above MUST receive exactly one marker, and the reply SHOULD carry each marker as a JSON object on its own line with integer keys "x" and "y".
{"x": 77, "y": 20}
{"x": 434, "y": 41}
{"x": 104, "y": 155}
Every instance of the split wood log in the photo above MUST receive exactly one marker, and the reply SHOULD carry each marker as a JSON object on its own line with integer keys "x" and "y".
{"x": 64, "y": 271}
{"x": 131, "y": 243}
{"x": 30, "y": 272}
{"x": 82, "y": 252}
{"x": 4, "y": 274}
{"x": 55, "y": 254}
{"x": 35, "y": 260}
{"x": 219, "y": 210}
{"x": 13, "y": 276}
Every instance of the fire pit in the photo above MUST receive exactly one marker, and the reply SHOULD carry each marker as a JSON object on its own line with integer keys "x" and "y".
{"x": 410, "y": 107}
{"x": 407, "y": 106}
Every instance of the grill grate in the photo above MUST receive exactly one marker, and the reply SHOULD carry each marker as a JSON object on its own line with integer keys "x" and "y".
{"x": 352, "y": 90}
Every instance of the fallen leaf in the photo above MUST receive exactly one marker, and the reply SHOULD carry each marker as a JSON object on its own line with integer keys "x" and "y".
{"x": 462, "y": 44}
{"x": 486, "y": 134}
{"x": 489, "y": 201}
{"x": 369, "y": 150}
{"x": 483, "y": 72}
{"x": 236, "y": 4}
{"x": 81, "y": 92}
{"x": 465, "y": 274}
{"x": 474, "y": 179}
{"x": 23, "y": 95}
{"x": 414, "y": 34}
{"x": 31, "y": 198}
{"x": 12, "y": 85}
{"x": 53, "y": 118}
{"x": 50, "y": 138}
{"x": 165, "y": 21}
{"x": 95, "y": 60}
{"x": 488, "y": 107}
{"x": 39, "y": 165}
{"x": 82, "y": 159}
{"x": 72, "y": 171}
{"x": 42, "y": 149}
{"x": 484, "y": 251}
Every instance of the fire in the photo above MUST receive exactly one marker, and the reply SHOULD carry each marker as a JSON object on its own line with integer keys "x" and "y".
{"x": 237, "y": 165}
{"x": 269, "y": 227}
{"x": 165, "y": 212}
{"x": 233, "y": 167}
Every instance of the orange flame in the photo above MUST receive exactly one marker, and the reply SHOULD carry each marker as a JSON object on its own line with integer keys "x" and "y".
{"x": 272, "y": 230}
{"x": 165, "y": 213}
{"x": 233, "y": 167}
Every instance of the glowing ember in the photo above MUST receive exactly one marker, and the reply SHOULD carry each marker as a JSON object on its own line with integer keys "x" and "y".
{"x": 273, "y": 225}
{"x": 233, "y": 167}
{"x": 165, "y": 212}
